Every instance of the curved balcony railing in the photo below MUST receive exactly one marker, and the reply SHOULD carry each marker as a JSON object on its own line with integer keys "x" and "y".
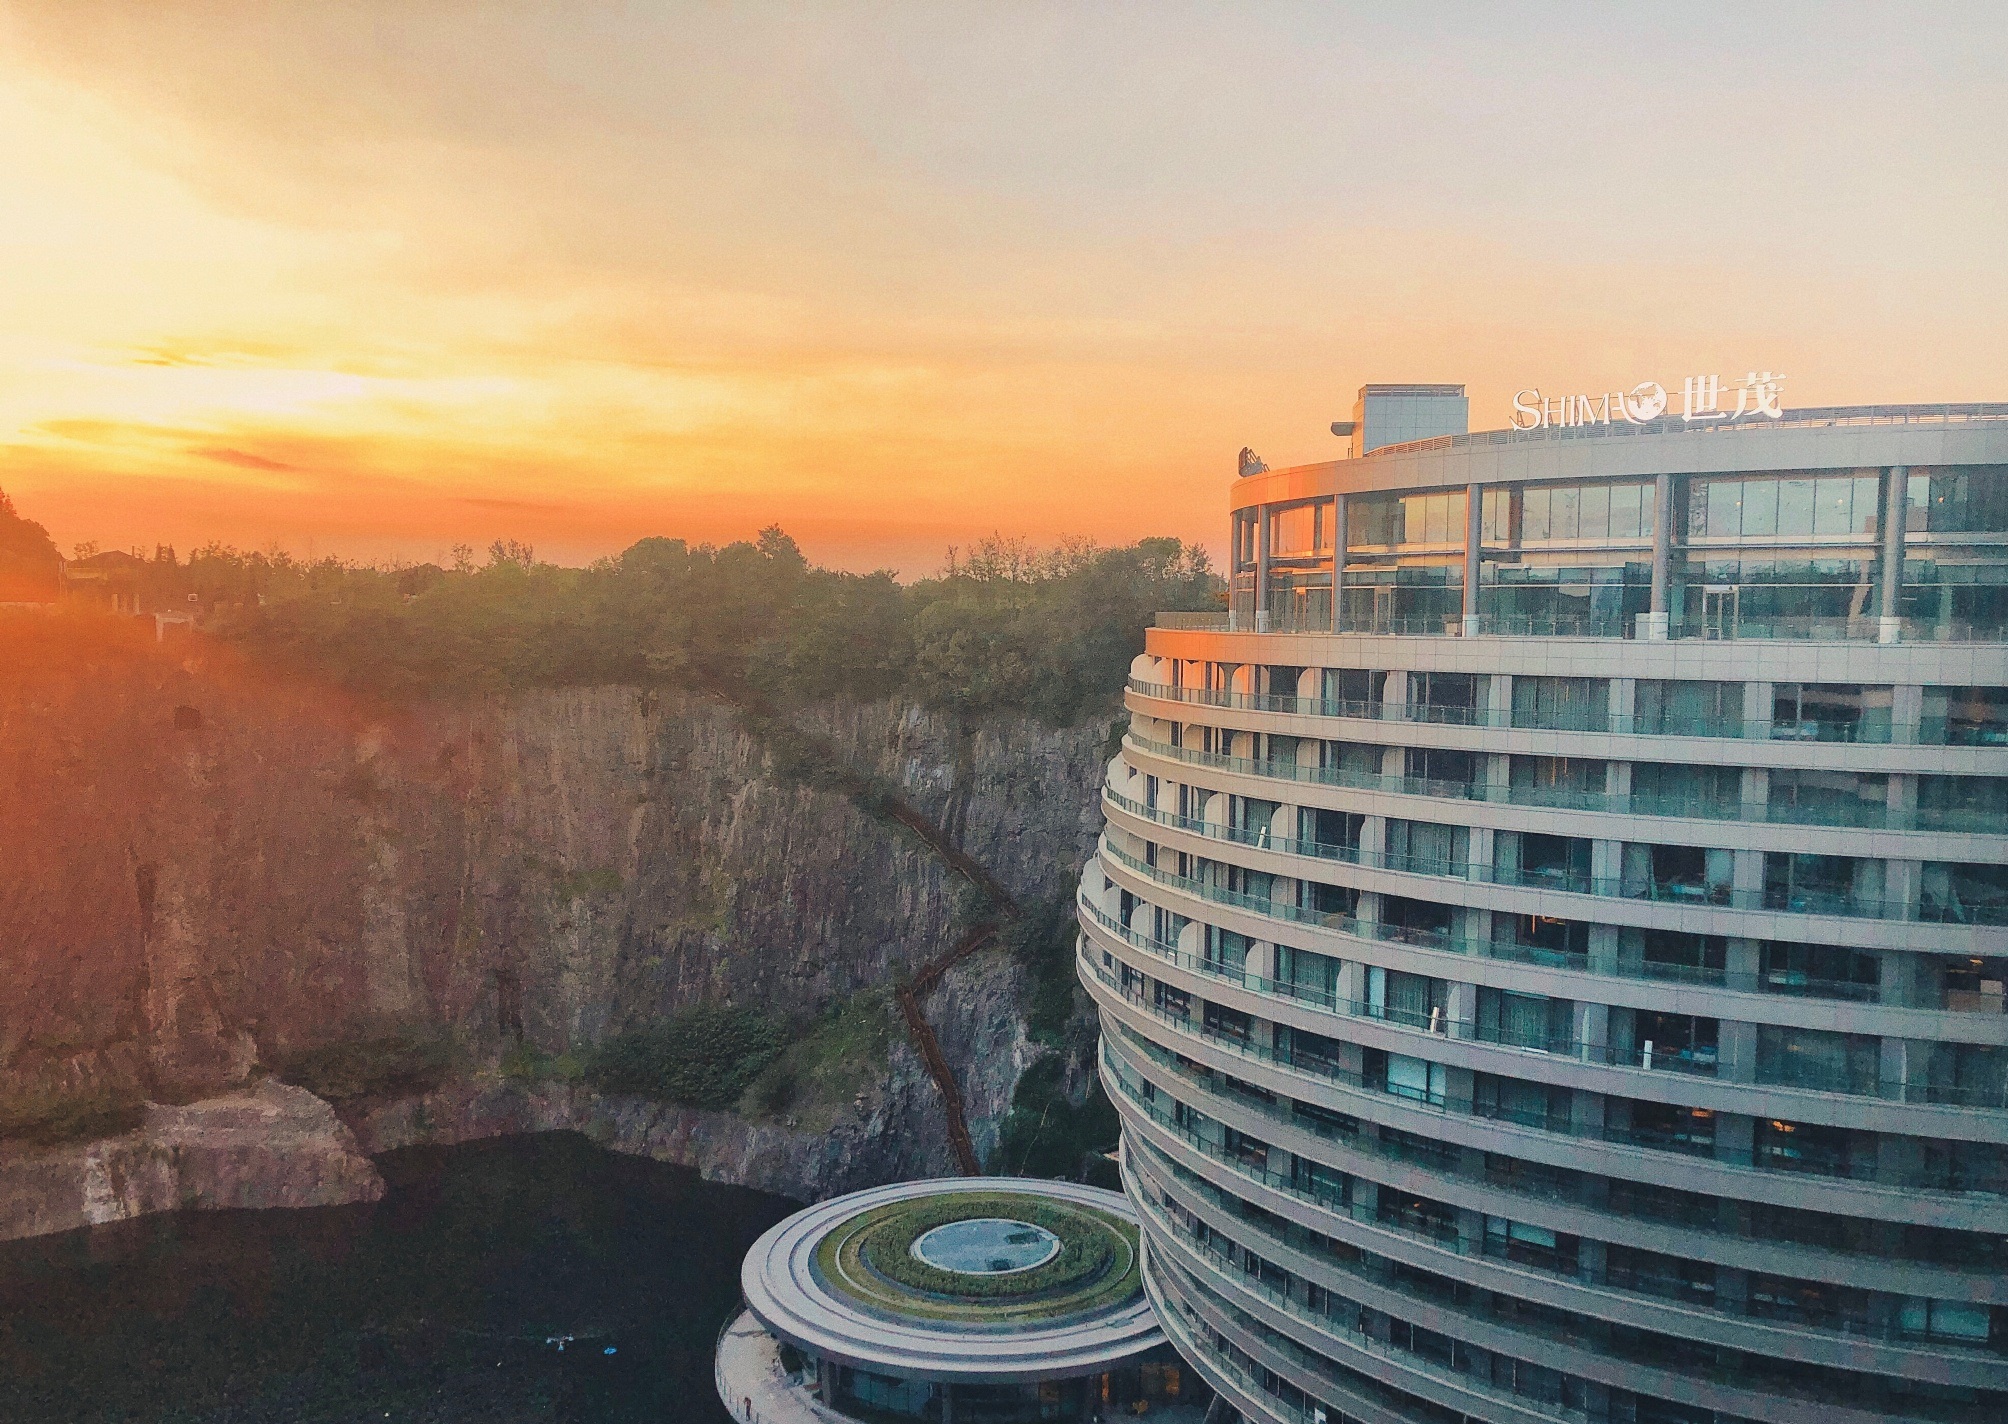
{"x": 1435, "y": 1021}
{"x": 1457, "y": 1105}
{"x": 1447, "y": 1159}
{"x": 1441, "y": 1233}
{"x": 1792, "y": 899}
{"x": 1764, "y": 1073}
{"x": 1443, "y": 941}
{"x": 1545, "y": 1328}
{"x": 1876, "y": 730}
{"x": 1668, "y": 891}
{"x": 1352, "y": 1335}
{"x": 1853, "y": 814}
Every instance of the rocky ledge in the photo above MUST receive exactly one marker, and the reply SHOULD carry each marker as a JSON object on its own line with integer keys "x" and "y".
{"x": 267, "y": 1145}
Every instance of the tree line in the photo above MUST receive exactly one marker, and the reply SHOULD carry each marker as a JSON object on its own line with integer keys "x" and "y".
{"x": 1004, "y": 628}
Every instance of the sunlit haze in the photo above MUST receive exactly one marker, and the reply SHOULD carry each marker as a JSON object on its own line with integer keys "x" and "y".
{"x": 376, "y": 280}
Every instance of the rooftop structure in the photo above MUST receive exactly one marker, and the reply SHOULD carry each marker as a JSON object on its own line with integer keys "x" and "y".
{"x": 1551, "y": 930}
{"x": 987, "y": 1299}
{"x": 1386, "y": 415}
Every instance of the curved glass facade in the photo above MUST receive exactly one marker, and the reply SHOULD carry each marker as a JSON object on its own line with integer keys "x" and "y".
{"x": 1565, "y": 980}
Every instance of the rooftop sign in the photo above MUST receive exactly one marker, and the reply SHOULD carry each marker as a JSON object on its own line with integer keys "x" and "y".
{"x": 1701, "y": 399}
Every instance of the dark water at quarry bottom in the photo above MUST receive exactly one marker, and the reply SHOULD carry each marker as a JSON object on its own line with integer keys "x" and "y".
{"x": 434, "y": 1304}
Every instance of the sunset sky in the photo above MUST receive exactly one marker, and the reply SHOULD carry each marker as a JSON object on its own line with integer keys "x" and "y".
{"x": 374, "y": 280}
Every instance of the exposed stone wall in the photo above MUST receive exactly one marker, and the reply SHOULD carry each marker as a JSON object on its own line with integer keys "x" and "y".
{"x": 211, "y": 870}
{"x": 269, "y": 1145}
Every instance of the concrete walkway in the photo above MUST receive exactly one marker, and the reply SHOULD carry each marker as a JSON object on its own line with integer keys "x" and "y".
{"x": 753, "y": 1385}
{"x": 757, "y": 1390}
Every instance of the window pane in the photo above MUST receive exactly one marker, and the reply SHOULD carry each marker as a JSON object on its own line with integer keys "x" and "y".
{"x": 1834, "y": 511}
{"x": 1565, "y": 515}
{"x": 1795, "y": 508}
{"x": 1627, "y": 511}
{"x": 1760, "y": 507}
{"x": 1293, "y": 530}
{"x": 1534, "y": 516}
{"x": 1595, "y": 515}
{"x": 1725, "y": 509}
{"x": 1868, "y": 504}
{"x": 1493, "y": 510}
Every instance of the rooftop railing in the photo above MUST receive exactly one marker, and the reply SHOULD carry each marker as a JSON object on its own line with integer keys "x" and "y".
{"x": 1802, "y": 417}
{"x": 1286, "y": 618}
{"x": 1872, "y": 729}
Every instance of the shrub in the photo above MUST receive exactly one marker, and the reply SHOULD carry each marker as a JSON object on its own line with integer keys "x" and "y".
{"x": 1045, "y": 1135}
{"x": 43, "y": 1121}
{"x": 390, "y": 1065}
{"x": 702, "y": 1057}
{"x": 1088, "y": 1242}
{"x": 527, "y": 1063}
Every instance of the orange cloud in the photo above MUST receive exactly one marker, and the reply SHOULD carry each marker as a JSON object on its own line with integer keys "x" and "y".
{"x": 897, "y": 282}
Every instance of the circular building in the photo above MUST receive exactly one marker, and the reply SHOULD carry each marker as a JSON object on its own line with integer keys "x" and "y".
{"x": 976, "y": 1299}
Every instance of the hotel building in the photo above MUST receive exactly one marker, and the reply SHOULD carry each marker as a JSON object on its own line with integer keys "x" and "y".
{"x": 1550, "y": 930}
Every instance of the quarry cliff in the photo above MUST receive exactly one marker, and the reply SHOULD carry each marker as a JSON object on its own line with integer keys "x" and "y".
{"x": 219, "y": 880}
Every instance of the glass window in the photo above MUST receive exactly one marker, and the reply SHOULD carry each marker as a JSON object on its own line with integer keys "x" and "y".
{"x": 1868, "y": 504}
{"x": 1631, "y": 511}
{"x": 1965, "y": 894}
{"x": 1594, "y": 515}
{"x": 1686, "y": 789}
{"x": 1297, "y": 529}
{"x": 1816, "y": 1058}
{"x": 1426, "y": 847}
{"x": 1954, "y": 597}
{"x": 1435, "y": 514}
{"x": 1945, "y": 1320}
{"x": 1495, "y": 513}
{"x": 1525, "y": 1020}
{"x": 1830, "y": 712}
{"x": 1725, "y": 509}
{"x": 1387, "y": 521}
{"x": 1785, "y": 506}
{"x": 1535, "y": 523}
{"x": 1971, "y": 499}
{"x": 1796, "y": 501}
{"x": 1443, "y": 690}
{"x": 1373, "y": 521}
{"x": 1536, "y": 774}
{"x": 1453, "y": 769}
{"x": 1809, "y": 884}
{"x": 1417, "y": 1079}
{"x": 1309, "y": 976}
{"x": 1820, "y": 970}
{"x": 1833, "y": 507}
{"x": 1760, "y": 508}
{"x": 1810, "y": 1147}
{"x": 1561, "y": 703}
{"x": 1845, "y": 798}
{"x": 1567, "y": 513}
{"x": 1965, "y": 716}
{"x": 1684, "y": 708}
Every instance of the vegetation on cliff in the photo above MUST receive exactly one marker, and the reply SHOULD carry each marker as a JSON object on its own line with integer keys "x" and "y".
{"x": 1005, "y": 629}
{"x": 28, "y": 561}
{"x": 412, "y": 1061}
{"x": 703, "y": 1056}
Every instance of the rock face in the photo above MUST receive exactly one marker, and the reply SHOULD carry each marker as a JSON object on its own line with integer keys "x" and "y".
{"x": 213, "y": 871}
{"x": 269, "y": 1145}
{"x": 896, "y": 1130}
